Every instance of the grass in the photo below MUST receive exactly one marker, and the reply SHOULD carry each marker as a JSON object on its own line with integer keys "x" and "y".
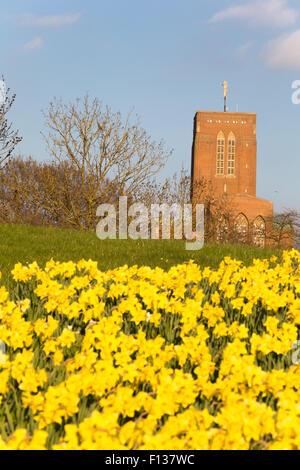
{"x": 21, "y": 243}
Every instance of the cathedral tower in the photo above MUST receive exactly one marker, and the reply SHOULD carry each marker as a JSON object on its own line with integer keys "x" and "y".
{"x": 224, "y": 151}
{"x": 224, "y": 154}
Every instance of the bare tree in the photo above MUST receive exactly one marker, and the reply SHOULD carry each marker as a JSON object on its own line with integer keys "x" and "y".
{"x": 45, "y": 194}
{"x": 283, "y": 229}
{"x": 95, "y": 158}
{"x": 9, "y": 138}
{"x": 175, "y": 189}
{"x": 220, "y": 213}
{"x": 220, "y": 217}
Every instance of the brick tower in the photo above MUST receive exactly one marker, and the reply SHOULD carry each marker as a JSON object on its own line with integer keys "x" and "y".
{"x": 224, "y": 153}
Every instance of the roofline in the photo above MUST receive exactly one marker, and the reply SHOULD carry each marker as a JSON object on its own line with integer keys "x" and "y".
{"x": 246, "y": 195}
{"x": 223, "y": 112}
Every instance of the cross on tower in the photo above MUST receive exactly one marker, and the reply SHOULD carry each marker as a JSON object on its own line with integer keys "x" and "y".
{"x": 225, "y": 85}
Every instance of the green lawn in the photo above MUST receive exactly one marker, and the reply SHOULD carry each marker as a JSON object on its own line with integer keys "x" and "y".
{"x": 26, "y": 244}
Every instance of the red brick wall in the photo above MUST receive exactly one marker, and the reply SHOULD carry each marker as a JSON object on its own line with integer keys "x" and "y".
{"x": 240, "y": 188}
{"x": 252, "y": 207}
{"x": 207, "y": 125}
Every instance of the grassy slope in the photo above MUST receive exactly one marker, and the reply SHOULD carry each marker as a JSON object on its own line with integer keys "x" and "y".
{"x": 26, "y": 244}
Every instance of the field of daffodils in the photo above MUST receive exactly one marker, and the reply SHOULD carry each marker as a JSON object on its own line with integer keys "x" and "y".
{"x": 139, "y": 358}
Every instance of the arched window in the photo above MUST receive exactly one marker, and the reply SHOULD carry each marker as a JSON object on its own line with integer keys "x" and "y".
{"x": 241, "y": 228}
{"x": 220, "y": 153}
{"x": 259, "y": 232}
{"x": 231, "y": 154}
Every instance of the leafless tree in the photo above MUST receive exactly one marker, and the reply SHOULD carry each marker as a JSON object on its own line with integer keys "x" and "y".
{"x": 96, "y": 156}
{"x": 9, "y": 138}
{"x": 283, "y": 229}
{"x": 175, "y": 189}
{"x": 220, "y": 213}
{"x": 40, "y": 193}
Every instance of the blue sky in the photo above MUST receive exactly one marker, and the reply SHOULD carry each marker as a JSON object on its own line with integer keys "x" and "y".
{"x": 166, "y": 59}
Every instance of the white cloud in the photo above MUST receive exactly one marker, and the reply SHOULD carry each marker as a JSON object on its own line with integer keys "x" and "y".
{"x": 284, "y": 52}
{"x": 274, "y": 13}
{"x": 36, "y": 43}
{"x": 54, "y": 21}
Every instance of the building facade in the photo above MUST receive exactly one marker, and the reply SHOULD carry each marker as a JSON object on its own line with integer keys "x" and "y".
{"x": 224, "y": 153}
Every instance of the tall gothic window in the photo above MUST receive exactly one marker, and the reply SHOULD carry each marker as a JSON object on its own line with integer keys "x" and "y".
{"x": 259, "y": 232}
{"x": 241, "y": 228}
{"x": 231, "y": 154}
{"x": 220, "y": 153}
